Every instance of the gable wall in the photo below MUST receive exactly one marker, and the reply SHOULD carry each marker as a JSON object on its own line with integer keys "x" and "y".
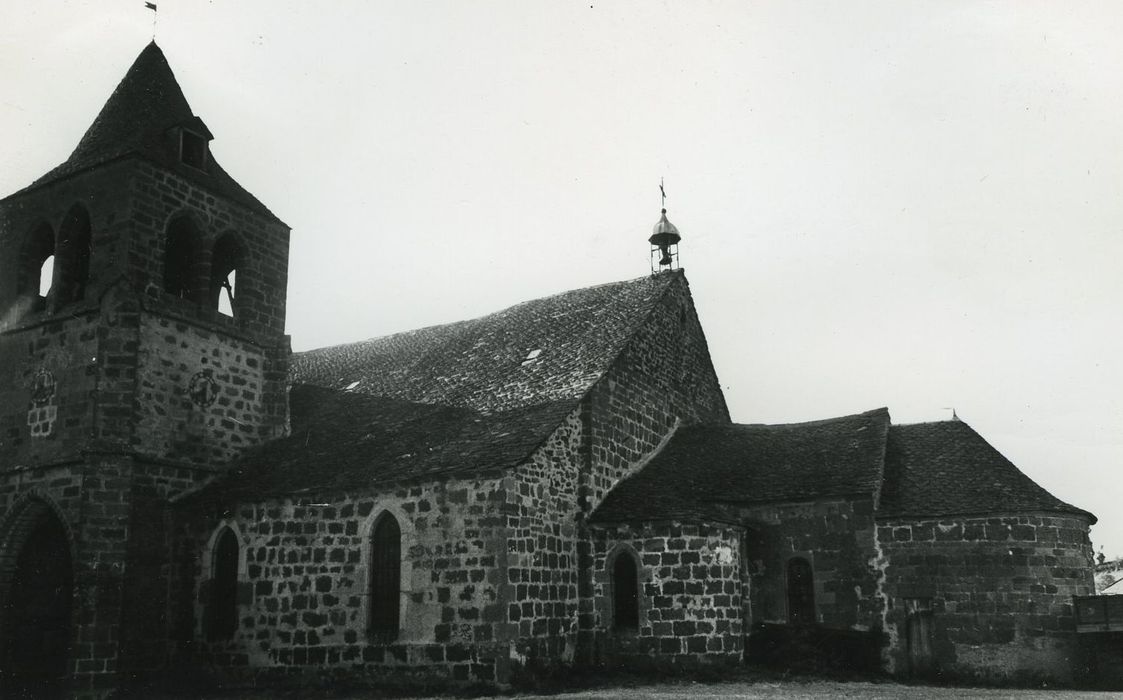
{"x": 663, "y": 378}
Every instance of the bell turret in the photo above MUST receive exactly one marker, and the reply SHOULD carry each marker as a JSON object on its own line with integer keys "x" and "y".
{"x": 664, "y": 245}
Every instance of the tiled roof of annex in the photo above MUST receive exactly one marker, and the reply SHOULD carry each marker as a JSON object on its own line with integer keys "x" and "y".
{"x": 921, "y": 470}
{"x": 946, "y": 468}
{"x": 707, "y": 468}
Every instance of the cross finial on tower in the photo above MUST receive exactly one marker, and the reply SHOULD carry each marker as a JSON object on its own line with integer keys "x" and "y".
{"x": 152, "y": 6}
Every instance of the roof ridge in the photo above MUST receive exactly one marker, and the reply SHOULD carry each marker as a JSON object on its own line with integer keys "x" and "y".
{"x": 491, "y": 314}
{"x": 810, "y": 423}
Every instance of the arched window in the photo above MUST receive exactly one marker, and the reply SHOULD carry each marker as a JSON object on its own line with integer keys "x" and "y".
{"x": 385, "y": 577}
{"x": 36, "y": 271}
{"x": 226, "y": 259}
{"x": 181, "y": 257}
{"x": 222, "y": 606}
{"x": 74, "y": 255}
{"x": 625, "y": 593}
{"x": 801, "y": 592}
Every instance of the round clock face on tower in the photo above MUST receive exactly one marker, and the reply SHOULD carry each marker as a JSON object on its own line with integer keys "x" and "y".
{"x": 203, "y": 389}
{"x": 43, "y": 386}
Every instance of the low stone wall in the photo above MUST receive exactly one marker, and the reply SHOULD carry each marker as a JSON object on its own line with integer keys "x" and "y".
{"x": 991, "y": 597}
{"x": 690, "y": 608}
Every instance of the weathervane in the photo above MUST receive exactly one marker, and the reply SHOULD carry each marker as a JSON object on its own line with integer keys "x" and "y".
{"x": 152, "y": 6}
{"x": 664, "y": 239}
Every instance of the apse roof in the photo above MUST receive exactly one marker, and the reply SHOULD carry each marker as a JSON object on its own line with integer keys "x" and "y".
{"x": 924, "y": 470}
{"x": 946, "y": 468}
{"x": 705, "y": 469}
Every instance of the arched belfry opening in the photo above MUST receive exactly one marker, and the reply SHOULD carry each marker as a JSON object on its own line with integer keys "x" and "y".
{"x": 181, "y": 259}
{"x": 35, "y": 618}
{"x": 226, "y": 261}
{"x": 74, "y": 255}
{"x": 36, "y": 266}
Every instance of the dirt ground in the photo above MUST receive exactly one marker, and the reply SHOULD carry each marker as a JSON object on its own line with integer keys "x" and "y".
{"x": 818, "y": 690}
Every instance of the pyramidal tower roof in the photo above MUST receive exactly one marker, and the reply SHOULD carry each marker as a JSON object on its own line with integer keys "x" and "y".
{"x": 137, "y": 120}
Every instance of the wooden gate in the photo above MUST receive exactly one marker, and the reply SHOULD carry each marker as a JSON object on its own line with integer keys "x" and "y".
{"x": 919, "y": 636}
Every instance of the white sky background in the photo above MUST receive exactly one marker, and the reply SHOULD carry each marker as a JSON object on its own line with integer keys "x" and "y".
{"x": 905, "y": 204}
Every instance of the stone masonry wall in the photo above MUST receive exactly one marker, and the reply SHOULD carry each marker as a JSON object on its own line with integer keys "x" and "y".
{"x": 690, "y": 593}
{"x": 48, "y": 378}
{"x": 92, "y": 502}
{"x": 999, "y": 591}
{"x": 663, "y": 378}
{"x": 304, "y": 588}
{"x": 202, "y": 394}
{"x": 541, "y": 567}
{"x": 837, "y": 538}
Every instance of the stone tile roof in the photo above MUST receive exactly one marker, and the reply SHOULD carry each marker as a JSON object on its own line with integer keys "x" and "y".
{"x": 938, "y": 469}
{"x": 705, "y": 469}
{"x": 344, "y": 441}
{"x": 136, "y": 119}
{"x": 455, "y": 399}
{"x": 486, "y": 364}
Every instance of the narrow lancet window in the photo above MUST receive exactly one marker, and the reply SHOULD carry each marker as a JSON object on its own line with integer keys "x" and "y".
{"x": 625, "y": 593}
{"x": 222, "y": 606}
{"x": 385, "y": 577}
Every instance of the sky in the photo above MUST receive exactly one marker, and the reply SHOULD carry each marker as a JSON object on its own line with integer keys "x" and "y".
{"x": 906, "y": 204}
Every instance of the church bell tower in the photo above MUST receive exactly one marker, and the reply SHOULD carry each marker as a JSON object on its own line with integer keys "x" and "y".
{"x": 142, "y": 347}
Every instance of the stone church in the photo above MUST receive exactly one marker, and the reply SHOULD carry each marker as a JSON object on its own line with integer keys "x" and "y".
{"x": 557, "y": 483}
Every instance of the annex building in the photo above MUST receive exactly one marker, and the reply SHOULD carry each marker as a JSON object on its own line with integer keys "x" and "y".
{"x": 556, "y": 483}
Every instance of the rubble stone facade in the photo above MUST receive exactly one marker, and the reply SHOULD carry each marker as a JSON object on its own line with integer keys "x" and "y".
{"x": 992, "y": 594}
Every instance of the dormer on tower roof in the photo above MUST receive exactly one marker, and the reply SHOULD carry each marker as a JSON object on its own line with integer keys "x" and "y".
{"x": 148, "y": 116}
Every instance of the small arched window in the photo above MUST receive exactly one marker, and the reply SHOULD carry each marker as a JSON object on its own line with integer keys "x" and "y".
{"x": 74, "y": 255}
{"x": 222, "y": 605}
{"x": 801, "y": 592}
{"x": 625, "y": 593}
{"x": 36, "y": 270}
{"x": 226, "y": 260}
{"x": 181, "y": 258}
{"x": 385, "y": 577}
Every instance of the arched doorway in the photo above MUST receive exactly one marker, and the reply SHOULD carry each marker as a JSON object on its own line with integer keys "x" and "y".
{"x": 36, "y": 613}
